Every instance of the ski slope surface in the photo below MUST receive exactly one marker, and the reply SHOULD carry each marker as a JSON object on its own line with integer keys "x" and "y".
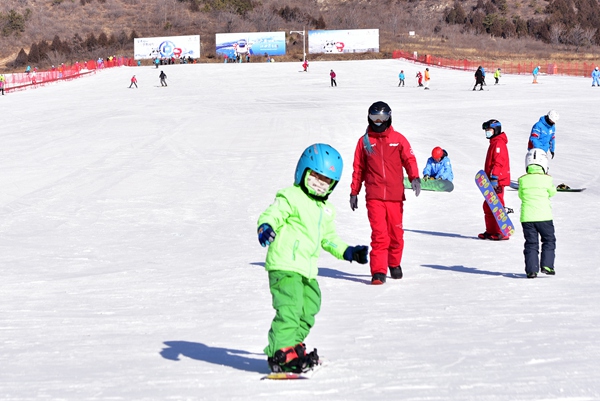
{"x": 131, "y": 270}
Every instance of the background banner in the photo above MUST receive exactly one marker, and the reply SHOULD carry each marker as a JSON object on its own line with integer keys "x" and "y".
{"x": 253, "y": 43}
{"x": 167, "y": 47}
{"x": 343, "y": 41}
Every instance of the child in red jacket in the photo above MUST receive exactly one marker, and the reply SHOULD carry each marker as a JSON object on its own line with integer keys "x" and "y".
{"x": 497, "y": 168}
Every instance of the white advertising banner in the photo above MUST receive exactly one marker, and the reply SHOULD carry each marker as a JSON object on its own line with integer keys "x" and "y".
{"x": 343, "y": 41}
{"x": 167, "y": 47}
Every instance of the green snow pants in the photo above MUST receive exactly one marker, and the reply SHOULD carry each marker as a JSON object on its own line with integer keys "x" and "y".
{"x": 296, "y": 300}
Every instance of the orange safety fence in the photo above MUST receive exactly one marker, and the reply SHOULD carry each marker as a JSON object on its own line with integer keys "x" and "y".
{"x": 507, "y": 67}
{"x": 35, "y": 78}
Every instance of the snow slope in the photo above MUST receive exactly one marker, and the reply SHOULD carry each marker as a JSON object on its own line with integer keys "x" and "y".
{"x": 130, "y": 267}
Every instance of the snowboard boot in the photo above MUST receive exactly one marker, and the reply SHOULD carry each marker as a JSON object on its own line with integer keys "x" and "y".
{"x": 532, "y": 275}
{"x": 378, "y": 279}
{"x": 311, "y": 360}
{"x": 548, "y": 270}
{"x": 396, "y": 272}
{"x": 499, "y": 237}
{"x": 484, "y": 235}
{"x": 286, "y": 360}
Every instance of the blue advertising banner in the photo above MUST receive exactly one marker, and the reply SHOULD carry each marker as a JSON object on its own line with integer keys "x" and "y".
{"x": 253, "y": 43}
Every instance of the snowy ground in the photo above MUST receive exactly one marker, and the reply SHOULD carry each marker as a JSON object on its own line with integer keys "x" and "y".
{"x": 130, "y": 267}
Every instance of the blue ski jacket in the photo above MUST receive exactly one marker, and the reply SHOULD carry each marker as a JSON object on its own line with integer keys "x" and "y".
{"x": 401, "y": 76}
{"x": 542, "y": 136}
{"x": 441, "y": 169}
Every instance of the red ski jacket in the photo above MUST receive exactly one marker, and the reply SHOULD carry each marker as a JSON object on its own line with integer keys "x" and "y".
{"x": 496, "y": 161}
{"x": 378, "y": 161}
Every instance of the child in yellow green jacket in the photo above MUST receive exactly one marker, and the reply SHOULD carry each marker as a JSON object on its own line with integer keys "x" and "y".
{"x": 535, "y": 190}
{"x": 296, "y": 227}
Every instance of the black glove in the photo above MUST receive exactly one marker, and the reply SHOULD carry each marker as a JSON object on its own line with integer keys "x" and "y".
{"x": 266, "y": 235}
{"x": 357, "y": 253}
{"x": 552, "y": 153}
{"x": 353, "y": 202}
{"x": 416, "y": 186}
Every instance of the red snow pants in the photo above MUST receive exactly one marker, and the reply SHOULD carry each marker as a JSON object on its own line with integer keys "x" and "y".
{"x": 491, "y": 226}
{"x": 387, "y": 234}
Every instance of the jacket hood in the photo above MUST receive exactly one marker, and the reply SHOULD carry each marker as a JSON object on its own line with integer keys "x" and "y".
{"x": 535, "y": 169}
{"x": 500, "y": 137}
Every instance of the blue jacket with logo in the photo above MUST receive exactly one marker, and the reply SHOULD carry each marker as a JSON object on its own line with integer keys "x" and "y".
{"x": 542, "y": 136}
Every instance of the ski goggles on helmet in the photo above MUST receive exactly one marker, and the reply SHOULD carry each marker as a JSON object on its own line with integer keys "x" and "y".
{"x": 382, "y": 116}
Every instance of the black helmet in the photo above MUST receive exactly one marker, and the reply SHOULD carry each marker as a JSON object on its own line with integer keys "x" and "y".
{"x": 382, "y": 112}
{"x": 493, "y": 124}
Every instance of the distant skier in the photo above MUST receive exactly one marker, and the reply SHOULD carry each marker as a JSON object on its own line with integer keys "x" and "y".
{"x": 305, "y": 65}
{"x": 296, "y": 227}
{"x": 332, "y": 76}
{"x": 133, "y": 81}
{"x": 535, "y": 73}
{"x": 595, "y": 77}
{"x": 483, "y": 75}
{"x": 543, "y": 133}
{"x": 2, "y": 82}
{"x": 497, "y": 168}
{"x": 478, "y": 78}
{"x": 535, "y": 190}
{"x": 419, "y": 78}
{"x": 401, "y": 77}
{"x": 427, "y": 78}
{"x": 438, "y": 166}
{"x": 163, "y": 78}
{"x": 497, "y": 76}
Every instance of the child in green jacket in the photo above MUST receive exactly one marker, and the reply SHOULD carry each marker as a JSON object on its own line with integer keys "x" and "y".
{"x": 535, "y": 190}
{"x": 296, "y": 226}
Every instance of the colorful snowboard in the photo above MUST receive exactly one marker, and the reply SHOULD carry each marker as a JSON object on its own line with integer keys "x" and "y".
{"x": 484, "y": 185}
{"x": 432, "y": 185}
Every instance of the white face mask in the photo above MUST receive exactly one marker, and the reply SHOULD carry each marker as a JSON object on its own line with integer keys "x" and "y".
{"x": 489, "y": 134}
{"x": 319, "y": 186}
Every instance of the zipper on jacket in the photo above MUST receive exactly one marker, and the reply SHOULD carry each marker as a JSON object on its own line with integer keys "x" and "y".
{"x": 296, "y": 244}
{"x": 319, "y": 229}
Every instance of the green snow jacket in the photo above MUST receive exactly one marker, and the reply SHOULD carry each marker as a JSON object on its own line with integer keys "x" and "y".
{"x": 535, "y": 190}
{"x": 303, "y": 226}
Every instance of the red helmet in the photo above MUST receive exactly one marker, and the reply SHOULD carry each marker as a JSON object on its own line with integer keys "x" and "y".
{"x": 437, "y": 153}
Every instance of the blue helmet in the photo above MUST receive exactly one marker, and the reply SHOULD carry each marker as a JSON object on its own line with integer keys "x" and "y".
{"x": 320, "y": 158}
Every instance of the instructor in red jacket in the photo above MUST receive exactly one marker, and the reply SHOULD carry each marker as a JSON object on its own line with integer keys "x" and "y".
{"x": 497, "y": 168}
{"x": 380, "y": 155}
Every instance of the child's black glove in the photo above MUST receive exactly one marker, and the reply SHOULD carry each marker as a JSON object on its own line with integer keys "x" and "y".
{"x": 357, "y": 253}
{"x": 266, "y": 235}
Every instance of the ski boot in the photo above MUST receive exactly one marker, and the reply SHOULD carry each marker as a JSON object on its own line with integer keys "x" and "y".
{"x": 378, "y": 279}
{"x": 484, "y": 235}
{"x": 396, "y": 272}
{"x": 532, "y": 275}
{"x": 548, "y": 270}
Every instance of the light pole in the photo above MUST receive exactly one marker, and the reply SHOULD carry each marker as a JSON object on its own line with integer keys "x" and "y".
{"x": 303, "y": 33}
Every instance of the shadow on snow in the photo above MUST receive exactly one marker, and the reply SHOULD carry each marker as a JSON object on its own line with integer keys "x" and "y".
{"x": 333, "y": 273}
{"x": 234, "y": 358}
{"x": 439, "y": 234}
{"x": 474, "y": 270}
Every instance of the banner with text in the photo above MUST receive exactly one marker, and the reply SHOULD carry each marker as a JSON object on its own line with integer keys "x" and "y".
{"x": 167, "y": 47}
{"x": 343, "y": 41}
{"x": 252, "y": 43}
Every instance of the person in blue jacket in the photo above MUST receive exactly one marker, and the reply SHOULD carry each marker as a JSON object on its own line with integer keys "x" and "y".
{"x": 438, "y": 166}
{"x": 543, "y": 133}
{"x": 595, "y": 77}
{"x": 535, "y": 73}
{"x": 401, "y": 78}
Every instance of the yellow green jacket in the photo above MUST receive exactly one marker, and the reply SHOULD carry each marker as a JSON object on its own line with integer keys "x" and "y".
{"x": 535, "y": 191}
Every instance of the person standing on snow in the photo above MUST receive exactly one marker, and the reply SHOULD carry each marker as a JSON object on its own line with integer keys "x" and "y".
{"x": 535, "y": 73}
{"x": 133, "y": 81}
{"x": 2, "y": 81}
{"x": 332, "y": 76}
{"x": 497, "y": 76}
{"x": 427, "y": 78}
{"x": 379, "y": 158}
{"x": 535, "y": 190}
{"x": 296, "y": 227}
{"x": 438, "y": 166}
{"x": 401, "y": 77}
{"x": 595, "y": 77}
{"x": 305, "y": 65}
{"x": 419, "y": 78}
{"x": 497, "y": 168}
{"x": 479, "y": 78}
{"x": 543, "y": 133}
{"x": 163, "y": 78}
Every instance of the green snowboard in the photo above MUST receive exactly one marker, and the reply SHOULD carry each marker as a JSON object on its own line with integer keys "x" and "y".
{"x": 432, "y": 185}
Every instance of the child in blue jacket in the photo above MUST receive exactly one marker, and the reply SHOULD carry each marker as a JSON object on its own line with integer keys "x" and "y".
{"x": 438, "y": 166}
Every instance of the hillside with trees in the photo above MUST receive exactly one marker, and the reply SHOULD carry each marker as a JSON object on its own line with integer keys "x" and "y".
{"x": 45, "y": 32}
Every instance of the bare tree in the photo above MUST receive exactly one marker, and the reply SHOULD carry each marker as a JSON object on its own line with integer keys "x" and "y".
{"x": 557, "y": 32}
